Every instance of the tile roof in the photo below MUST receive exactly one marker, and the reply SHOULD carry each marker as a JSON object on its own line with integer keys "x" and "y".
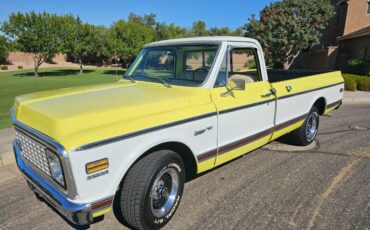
{"x": 359, "y": 33}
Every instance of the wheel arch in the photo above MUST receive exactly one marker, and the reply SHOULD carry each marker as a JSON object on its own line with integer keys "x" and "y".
{"x": 184, "y": 151}
{"x": 320, "y": 104}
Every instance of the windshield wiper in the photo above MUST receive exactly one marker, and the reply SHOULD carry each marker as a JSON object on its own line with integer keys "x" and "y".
{"x": 164, "y": 82}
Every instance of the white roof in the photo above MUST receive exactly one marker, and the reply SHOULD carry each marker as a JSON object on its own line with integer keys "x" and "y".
{"x": 211, "y": 39}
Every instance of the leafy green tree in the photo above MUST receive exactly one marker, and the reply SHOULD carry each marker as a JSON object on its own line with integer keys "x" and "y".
{"x": 80, "y": 40}
{"x": 287, "y": 27}
{"x": 164, "y": 31}
{"x": 148, "y": 19}
{"x": 239, "y": 31}
{"x": 127, "y": 38}
{"x": 199, "y": 29}
{"x": 35, "y": 33}
{"x": 4, "y": 49}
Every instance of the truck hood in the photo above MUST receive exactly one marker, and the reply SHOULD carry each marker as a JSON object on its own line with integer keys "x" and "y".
{"x": 81, "y": 115}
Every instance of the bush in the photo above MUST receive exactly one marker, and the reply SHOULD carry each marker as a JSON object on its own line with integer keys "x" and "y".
{"x": 350, "y": 84}
{"x": 4, "y": 67}
{"x": 251, "y": 64}
{"x": 359, "y": 66}
{"x": 19, "y": 67}
{"x": 363, "y": 85}
{"x": 355, "y": 82}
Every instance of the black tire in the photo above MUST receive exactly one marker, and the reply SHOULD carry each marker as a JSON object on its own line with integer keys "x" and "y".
{"x": 301, "y": 136}
{"x": 136, "y": 199}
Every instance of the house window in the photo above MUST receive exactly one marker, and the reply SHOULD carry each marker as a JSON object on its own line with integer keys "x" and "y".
{"x": 368, "y": 7}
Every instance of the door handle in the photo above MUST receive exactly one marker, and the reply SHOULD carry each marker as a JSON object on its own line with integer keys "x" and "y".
{"x": 289, "y": 88}
{"x": 272, "y": 92}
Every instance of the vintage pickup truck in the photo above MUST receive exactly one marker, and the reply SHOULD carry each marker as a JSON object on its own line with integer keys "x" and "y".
{"x": 184, "y": 107}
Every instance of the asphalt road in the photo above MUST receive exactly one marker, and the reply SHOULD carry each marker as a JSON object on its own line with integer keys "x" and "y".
{"x": 324, "y": 188}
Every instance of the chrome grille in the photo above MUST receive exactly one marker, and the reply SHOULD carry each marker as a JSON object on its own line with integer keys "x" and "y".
{"x": 33, "y": 151}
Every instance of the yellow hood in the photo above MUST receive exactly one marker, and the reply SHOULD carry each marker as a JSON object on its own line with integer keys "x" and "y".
{"x": 81, "y": 115}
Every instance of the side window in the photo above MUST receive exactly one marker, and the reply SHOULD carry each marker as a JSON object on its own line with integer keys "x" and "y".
{"x": 242, "y": 63}
{"x": 199, "y": 59}
{"x": 198, "y": 63}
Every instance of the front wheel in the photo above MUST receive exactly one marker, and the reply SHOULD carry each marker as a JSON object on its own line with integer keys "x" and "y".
{"x": 305, "y": 134}
{"x": 152, "y": 190}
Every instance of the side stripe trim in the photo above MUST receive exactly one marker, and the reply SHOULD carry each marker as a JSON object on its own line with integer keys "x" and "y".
{"x": 144, "y": 131}
{"x": 289, "y": 123}
{"x": 244, "y": 141}
{"x": 245, "y": 106}
{"x": 247, "y": 140}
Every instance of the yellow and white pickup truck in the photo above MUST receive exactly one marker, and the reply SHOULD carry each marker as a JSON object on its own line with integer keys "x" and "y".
{"x": 184, "y": 107}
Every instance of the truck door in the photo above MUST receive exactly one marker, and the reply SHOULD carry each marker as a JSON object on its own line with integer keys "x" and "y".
{"x": 291, "y": 106}
{"x": 245, "y": 113}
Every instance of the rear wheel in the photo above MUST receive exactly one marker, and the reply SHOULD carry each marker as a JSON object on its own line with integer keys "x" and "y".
{"x": 305, "y": 134}
{"x": 152, "y": 190}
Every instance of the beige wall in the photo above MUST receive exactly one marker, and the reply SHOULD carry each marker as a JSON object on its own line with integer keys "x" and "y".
{"x": 20, "y": 58}
{"x": 357, "y": 17}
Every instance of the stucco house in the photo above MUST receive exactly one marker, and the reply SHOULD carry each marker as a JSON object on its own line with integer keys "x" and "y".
{"x": 347, "y": 37}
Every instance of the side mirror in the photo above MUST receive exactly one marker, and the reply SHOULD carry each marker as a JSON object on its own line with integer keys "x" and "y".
{"x": 234, "y": 84}
{"x": 237, "y": 84}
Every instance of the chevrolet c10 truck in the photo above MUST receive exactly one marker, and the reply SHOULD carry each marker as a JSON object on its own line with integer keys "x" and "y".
{"x": 184, "y": 107}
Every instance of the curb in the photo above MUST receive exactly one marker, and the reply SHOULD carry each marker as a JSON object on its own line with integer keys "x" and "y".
{"x": 350, "y": 97}
{"x": 6, "y": 150}
{"x": 355, "y": 100}
{"x": 9, "y": 172}
{"x": 6, "y": 159}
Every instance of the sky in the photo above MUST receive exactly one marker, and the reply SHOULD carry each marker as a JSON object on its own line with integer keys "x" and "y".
{"x": 214, "y": 12}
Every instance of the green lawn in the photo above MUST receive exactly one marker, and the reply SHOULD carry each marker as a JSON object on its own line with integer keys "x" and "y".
{"x": 21, "y": 82}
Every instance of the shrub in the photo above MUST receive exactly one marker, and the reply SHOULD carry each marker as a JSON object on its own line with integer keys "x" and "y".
{"x": 4, "y": 67}
{"x": 353, "y": 82}
{"x": 363, "y": 85}
{"x": 359, "y": 66}
{"x": 20, "y": 67}
{"x": 350, "y": 84}
{"x": 251, "y": 64}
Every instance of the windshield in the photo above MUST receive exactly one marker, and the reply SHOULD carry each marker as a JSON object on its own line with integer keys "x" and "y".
{"x": 178, "y": 65}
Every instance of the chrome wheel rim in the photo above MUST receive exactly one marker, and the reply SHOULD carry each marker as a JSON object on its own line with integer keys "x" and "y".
{"x": 311, "y": 126}
{"x": 164, "y": 191}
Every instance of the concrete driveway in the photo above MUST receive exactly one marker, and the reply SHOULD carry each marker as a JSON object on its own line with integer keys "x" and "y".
{"x": 324, "y": 188}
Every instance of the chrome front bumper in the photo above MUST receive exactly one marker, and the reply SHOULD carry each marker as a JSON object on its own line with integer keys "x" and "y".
{"x": 79, "y": 214}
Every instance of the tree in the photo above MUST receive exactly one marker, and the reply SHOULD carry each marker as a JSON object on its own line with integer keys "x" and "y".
{"x": 164, "y": 31}
{"x": 4, "y": 48}
{"x": 199, "y": 29}
{"x": 148, "y": 19}
{"x": 127, "y": 38}
{"x": 287, "y": 27}
{"x": 38, "y": 34}
{"x": 79, "y": 39}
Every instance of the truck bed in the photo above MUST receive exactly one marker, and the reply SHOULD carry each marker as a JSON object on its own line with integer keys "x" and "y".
{"x": 284, "y": 75}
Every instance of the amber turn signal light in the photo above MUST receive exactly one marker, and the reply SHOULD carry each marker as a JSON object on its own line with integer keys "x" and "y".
{"x": 96, "y": 166}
